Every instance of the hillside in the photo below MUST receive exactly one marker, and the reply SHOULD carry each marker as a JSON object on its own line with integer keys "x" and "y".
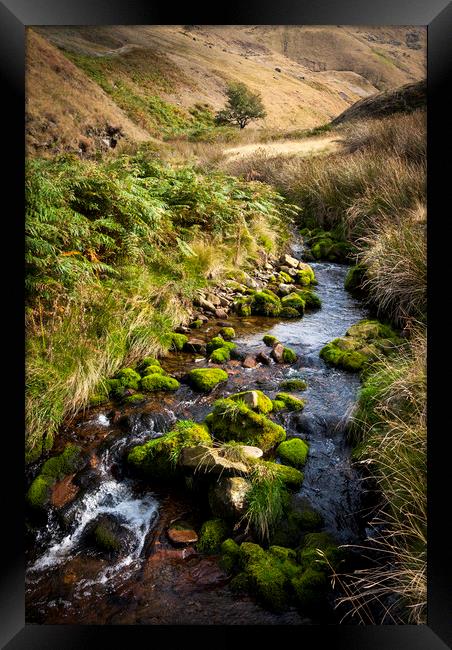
{"x": 163, "y": 81}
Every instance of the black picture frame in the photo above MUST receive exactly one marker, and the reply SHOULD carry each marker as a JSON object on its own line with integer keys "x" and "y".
{"x": 15, "y": 15}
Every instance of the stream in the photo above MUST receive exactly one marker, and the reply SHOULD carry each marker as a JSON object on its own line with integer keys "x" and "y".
{"x": 154, "y": 583}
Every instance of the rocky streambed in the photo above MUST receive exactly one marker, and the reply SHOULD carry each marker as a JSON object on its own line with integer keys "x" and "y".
{"x": 158, "y": 574}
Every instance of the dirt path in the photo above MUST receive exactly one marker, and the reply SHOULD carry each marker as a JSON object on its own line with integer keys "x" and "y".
{"x": 305, "y": 147}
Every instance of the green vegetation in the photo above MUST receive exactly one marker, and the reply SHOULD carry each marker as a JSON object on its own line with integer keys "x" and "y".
{"x": 293, "y": 452}
{"x": 99, "y": 274}
{"x": 156, "y": 381}
{"x": 294, "y": 384}
{"x": 53, "y": 470}
{"x": 254, "y": 399}
{"x": 157, "y": 458}
{"x": 234, "y": 420}
{"x": 290, "y": 402}
{"x": 213, "y": 532}
{"x": 206, "y": 379}
{"x": 242, "y": 106}
{"x": 265, "y": 303}
{"x": 265, "y": 500}
{"x": 270, "y": 340}
{"x": 228, "y": 333}
{"x": 289, "y": 356}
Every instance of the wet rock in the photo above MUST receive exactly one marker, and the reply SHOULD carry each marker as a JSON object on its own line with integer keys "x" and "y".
{"x": 211, "y": 460}
{"x": 63, "y": 492}
{"x": 195, "y": 345}
{"x": 285, "y": 289}
{"x": 221, "y": 323}
{"x": 251, "y": 452}
{"x": 249, "y": 362}
{"x": 227, "y": 498}
{"x": 181, "y": 534}
{"x": 278, "y": 353}
{"x": 205, "y": 304}
{"x": 262, "y": 357}
{"x": 107, "y": 535}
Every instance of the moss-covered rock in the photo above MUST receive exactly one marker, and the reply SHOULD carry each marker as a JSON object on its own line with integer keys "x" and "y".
{"x": 146, "y": 363}
{"x": 311, "y": 299}
{"x": 354, "y": 279}
{"x": 294, "y": 384}
{"x": 270, "y": 340}
{"x": 289, "y": 312}
{"x": 53, "y": 470}
{"x": 133, "y": 400}
{"x": 157, "y": 458}
{"x": 294, "y": 301}
{"x": 177, "y": 341}
{"x": 220, "y": 355}
{"x": 254, "y": 399}
{"x": 218, "y": 342}
{"x": 290, "y": 476}
{"x": 353, "y": 361}
{"x": 206, "y": 379}
{"x": 310, "y": 588}
{"x": 305, "y": 275}
{"x": 285, "y": 277}
{"x": 289, "y": 356}
{"x": 372, "y": 329}
{"x": 293, "y": 452}
{"x": 242, "y": 307}
{"x": 277, "y": 405}
{"x": 213, "y": 532}
{"x": 157, "y": 381}
{"x": 265, "y": 303}
{"x": 230, "y": 552}
{"x": 196, "y": 324}
{"x": 98, "y": 399}
{"x": 232, "y": 420}
{"x": 294, "y": 525}
{"x": 128, "y": 378}
{"x": 228, "y": 333}
{"x": 290, "y": 402}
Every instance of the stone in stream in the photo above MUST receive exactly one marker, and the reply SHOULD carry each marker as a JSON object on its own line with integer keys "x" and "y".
{"x": 221, "y": 313}
{"x": 181, "y": 533}
{"x": 195, "y": 345}
{"x": 262, "y": 357}
{"x": 278, "y": 352}
{"x": 249, "y": 362}
{"x": 210, "y": 460}
{"x": 107, "y": 534}
{"x": 227, "y": 497}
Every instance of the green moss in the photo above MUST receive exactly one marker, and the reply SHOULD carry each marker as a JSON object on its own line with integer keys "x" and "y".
{"x": 354, "y": 279}
{"x": 137, "y": 398}
{"x": 294, "y": 525}
{"x": 290, "y": 402}
{"x": 310, "y": 589}
{"x": 213, "y": 532}
{"x": 156, "y": 382}
{"x": 232, "y": 420}
{"x": 178, "y": 341}
{"x": 218, "y": 342}
{"x": 372, "y": 329}
{"x": 146, "y": 362}
{"x": 240, "y": 583}
{"x": 293, "y": 452}
{"x": 289, "y": 312}
{"x": 242, "y": 307}
{"x": 196, "y": 324}
{"x": 250, "y": 553}
{"x": 285, "y": 277}
{"x": 105, "y": 539}
{"x": 220, "y": 355}
{"x": 306, "y": 276}
{"x": 158, "y": 457}
{"x": 353, "y": 361}
{"x": 294, "y": 301}
{"x": 270, "y": 340}
{"x": 205, "y": 379}
{"x": 98, "y": 399}
{"x": 264, "y": 403}
{"x": 115, "y": 388}
{"x": 282, "y": 553}
{"x": 289, "y": 356}
{"x": 311, "y": 299}
{"x": 265, "y": 303}
{"x": 294, "y": 384}
{"x": 128, "y": 378}
{"x": 269, "y": 584}
{"x": 152, "y": 370}
{"x": 38, "y": 494}
{"x": 230, "y": 552}
{"x": 291, "y": 477}
{"x": 227, "y": 333}
{"x": 277, "y": 405}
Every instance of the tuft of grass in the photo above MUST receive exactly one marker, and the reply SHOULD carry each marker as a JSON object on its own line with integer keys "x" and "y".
{"x": 265, "y": 500}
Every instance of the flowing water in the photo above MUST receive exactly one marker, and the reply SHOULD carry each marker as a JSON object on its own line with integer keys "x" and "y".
{"x": 152, "y": 582}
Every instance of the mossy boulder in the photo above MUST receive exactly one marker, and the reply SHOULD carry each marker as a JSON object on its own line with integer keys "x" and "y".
{"x": 311, "y": 299}
{"x": 285, "y": 277}
{"x": 294, "y": 525}
{"x": 218, "y": 342}
{"x": 331, "y": 249}
{"x": 53, "y": 470}
{"x": 265, "y": 303}
{"x": 270, "y": 340}
{"x": 158, "y": 458}
{"x": 277, "y": 405}
{"x": 290, "y": 402}
{"x": 213, "y": 532}
{"x": 230, "y": 553}
{"x": 177, "y": 341}
{"x": 294, "y": 384}
{"x": 98, "y": 399}
{"x": 227, "y": 333}
{"x": 133, "y": 400}
{"x": 310, "y": 588}
{"x": 128, "y": 378}
{"x": 289, "y": 312}
{"x": 305, "y": 275}
{"x": 254, "y": 399}
{"x": 290, "y": 476}
{"x": 354, "y": 279}
{"x": 293, "y": 452}
{"x": 372, "y": 329}
{"x": 289, "y": 356}
{"x": 156, "y": 382}
{"x": 231, "y": 420}
{"x": 146, "y": 363}
{"x": 294, "y": 301}
{"x": 204, "y": 380}
{"x": 242, "y": 307}
{"x": 220, "y": 355}
{"x": 354, "y": 361}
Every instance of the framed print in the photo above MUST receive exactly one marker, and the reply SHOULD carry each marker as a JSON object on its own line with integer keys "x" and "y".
{"x": 231, "y": 407}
